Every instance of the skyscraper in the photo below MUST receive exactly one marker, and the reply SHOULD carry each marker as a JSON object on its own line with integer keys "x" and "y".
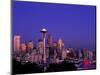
{"x": 60, "y": 48}
{"x": 91, "y": 55}
{"x": 49, "y": 40}
{"x": 85, "y": 53}
{"x": 40, "y": 48}
{"x": 17, "y": 42}
{"x": 60, "y": 43}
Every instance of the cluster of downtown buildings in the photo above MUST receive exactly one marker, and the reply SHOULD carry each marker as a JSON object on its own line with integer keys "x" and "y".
{"x": 55, "y": 52}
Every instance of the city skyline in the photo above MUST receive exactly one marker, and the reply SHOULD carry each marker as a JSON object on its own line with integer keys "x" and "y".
{"x": 75, "y": 25}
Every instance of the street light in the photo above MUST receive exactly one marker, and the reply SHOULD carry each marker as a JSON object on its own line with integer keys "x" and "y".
{"x": 44, "y": 31}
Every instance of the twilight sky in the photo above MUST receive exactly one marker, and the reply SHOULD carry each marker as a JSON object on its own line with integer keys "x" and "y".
{"x": 75, "y": 24}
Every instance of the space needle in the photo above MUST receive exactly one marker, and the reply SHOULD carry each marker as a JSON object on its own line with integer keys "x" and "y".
{"x": 44, "y": 31}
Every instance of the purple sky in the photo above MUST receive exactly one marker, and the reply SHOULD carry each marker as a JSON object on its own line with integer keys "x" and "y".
{"x": 75, "y": 24}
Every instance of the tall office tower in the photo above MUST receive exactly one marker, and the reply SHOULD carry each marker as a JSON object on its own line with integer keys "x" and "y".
{"x": 17, "y": 42}
{"x": 49, "y": 40}
{"x": 60, "y": 43}
{"x": 40, "y": 44}
{"x": 85, "y": 53}
{"x": 90, "y": 55}
{"x": 72, "y": 53}
{"x": 40, "y": 51}
{"x": 80, "y": 55}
